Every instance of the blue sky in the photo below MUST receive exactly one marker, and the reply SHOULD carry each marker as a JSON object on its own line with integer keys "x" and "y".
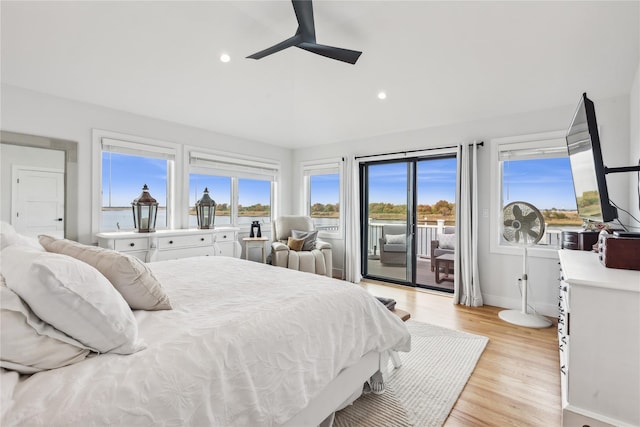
{"x": 325, "y": 189}
{"x": 436, "y": 181}
{"x": 128, "y": 174}
{"x": 545, "y": 183}
{"x": 250, "y": 191}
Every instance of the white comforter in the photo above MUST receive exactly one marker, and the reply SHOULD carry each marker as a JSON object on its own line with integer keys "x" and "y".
{"x": 246, "y": 344}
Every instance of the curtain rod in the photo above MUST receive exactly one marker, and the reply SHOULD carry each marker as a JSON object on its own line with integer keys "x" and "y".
{"x": 480, "y": 144}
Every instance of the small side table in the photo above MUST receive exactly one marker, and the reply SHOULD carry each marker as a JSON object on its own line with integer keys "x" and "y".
{"x": 446, "y": 262}
{"x": 255, "y": 242}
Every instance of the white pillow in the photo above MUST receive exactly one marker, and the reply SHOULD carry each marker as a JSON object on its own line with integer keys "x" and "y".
{"x": 130, "y": 276}
{"x": 10, "y": 239}
{"x": 447, "y": 241}
{"x": 6, "y": 228}
{"x": 395, "y": 239}
{"x": 9, "y": 236}
{"x": 29, "y": 345}
{"x": 73, "y": 297}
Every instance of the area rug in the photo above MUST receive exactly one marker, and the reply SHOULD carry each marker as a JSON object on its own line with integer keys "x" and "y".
{"x": 424, "y": 389}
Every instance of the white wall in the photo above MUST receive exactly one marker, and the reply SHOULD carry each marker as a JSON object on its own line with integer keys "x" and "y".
{"x": 499, "y": 272}
{"x": 35, "y": 113}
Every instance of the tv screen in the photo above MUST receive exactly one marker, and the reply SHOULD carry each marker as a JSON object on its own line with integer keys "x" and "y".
{"x": 587, "y": 167}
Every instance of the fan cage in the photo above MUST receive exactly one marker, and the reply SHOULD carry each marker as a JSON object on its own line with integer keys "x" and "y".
{"x": 522, "y": 224}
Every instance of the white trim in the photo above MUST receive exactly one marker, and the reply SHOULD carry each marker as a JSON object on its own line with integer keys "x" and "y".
{"x": 590, "y": 416}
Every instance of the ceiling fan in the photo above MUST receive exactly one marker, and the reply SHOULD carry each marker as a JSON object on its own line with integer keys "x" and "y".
{"x": 305, "y": 38}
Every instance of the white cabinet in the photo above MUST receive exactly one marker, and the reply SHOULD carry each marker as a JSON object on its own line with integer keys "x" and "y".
{"x": 599, "y": 339}
{"x": 172, "y": 244}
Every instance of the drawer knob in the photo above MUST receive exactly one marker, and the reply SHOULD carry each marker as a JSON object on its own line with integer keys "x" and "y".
{"x": 202, "y": 239}
{"x": 224, "y": 236}
{"x": 132, "y": 244}
{"x": 171, "y": 242}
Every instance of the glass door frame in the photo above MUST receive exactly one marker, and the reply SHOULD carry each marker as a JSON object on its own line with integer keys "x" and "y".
{"x": 411, "y": 218}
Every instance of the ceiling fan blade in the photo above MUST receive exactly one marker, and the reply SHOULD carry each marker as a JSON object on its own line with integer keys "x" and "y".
{"x": 291, "y": 41}
{"x": 304, "y": 15}
{"x": 344, "y": 55}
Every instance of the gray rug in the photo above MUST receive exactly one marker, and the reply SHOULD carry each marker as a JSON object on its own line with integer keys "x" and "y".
{"x": 425, "y": 388}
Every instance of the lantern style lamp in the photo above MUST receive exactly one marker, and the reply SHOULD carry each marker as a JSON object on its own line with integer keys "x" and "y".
{"x": 206, "y": 210}
{"x": 145, "y": 210}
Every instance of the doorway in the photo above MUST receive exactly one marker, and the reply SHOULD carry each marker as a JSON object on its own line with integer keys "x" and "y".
{"x": 406, "y": 206}
{"x": 38, "y": 201}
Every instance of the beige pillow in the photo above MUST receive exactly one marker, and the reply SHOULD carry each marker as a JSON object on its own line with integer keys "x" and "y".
{"x": 295, "y": 244}
{"x": 130, "y": 276}
{"x": 29, "y": 345}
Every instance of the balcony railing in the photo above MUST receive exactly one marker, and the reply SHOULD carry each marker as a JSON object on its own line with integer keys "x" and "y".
{"x": 426, "y": 233}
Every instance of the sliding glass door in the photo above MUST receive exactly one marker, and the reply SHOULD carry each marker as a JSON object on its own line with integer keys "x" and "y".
{"x": 407, "y": 208}
{"x": 387, "y": 236}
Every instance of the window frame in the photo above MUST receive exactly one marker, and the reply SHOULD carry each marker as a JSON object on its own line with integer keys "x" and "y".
{"x": 540, "y": 141}
{"x": 136, "y": 145}
{"x": 324, "y": 167}
{"x": 209, "y": 162}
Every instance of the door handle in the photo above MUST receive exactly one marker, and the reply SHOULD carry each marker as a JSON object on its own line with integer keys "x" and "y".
{"x": 59, "y": 219}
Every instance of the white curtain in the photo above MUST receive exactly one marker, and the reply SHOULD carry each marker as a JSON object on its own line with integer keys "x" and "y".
{"x": 467, "y": 279}
{"x": 352, "y": 220}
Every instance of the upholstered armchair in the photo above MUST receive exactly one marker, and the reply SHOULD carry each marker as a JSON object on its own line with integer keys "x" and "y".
{"x": 295, "y": 245}
{"x": 393, "y": 244}
{"x": 445, "y": 244}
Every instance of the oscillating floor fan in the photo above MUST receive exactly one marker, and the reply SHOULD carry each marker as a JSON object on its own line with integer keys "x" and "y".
{"x": 523, "y": 225}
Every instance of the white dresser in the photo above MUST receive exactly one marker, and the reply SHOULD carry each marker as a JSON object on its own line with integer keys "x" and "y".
{"x": 599, "y": 339}
{"x": 172, "y": 244}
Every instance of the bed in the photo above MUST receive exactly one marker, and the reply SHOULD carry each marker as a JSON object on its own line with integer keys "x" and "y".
{"x": 244, "y": 344}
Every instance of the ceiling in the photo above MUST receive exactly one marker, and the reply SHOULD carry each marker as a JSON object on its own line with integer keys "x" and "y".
{"x": 439, "y": 62}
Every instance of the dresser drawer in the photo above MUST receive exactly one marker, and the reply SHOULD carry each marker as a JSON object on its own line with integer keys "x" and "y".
{"x": 133, "y": 244}
{"x": 225, "y": 236}
{"x": 185, "y": 241}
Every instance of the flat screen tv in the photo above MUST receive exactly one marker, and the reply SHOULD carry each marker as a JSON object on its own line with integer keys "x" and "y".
{"x": 587, "y": 167}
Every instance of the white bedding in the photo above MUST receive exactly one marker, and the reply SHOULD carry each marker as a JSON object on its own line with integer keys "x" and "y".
{"x": 246, "y": 344}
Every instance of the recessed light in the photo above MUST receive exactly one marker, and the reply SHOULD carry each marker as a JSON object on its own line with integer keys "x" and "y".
{"x": 225, "y": 58}
{"x": 382, "y": 95}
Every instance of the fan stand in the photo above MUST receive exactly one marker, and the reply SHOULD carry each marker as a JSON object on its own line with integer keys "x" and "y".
{"x": 523, "y": 317}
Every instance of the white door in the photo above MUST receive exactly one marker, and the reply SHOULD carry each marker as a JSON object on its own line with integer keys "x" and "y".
{"x": 37, "y": 201}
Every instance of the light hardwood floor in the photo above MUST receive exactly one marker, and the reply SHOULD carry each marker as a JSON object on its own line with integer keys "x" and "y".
{"x": 517, "y": 379}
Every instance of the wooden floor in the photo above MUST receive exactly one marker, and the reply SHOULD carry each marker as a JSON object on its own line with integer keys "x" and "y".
{"x": 516, "y": 381}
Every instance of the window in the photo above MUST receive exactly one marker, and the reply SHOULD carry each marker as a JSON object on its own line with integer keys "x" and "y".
{"x": 254, "y": 200}
{"x": 244, "y": 189}
{"x": 125, "y": 167}
{"x": 536, "y": 170}
{"x": 323, "y": 197}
